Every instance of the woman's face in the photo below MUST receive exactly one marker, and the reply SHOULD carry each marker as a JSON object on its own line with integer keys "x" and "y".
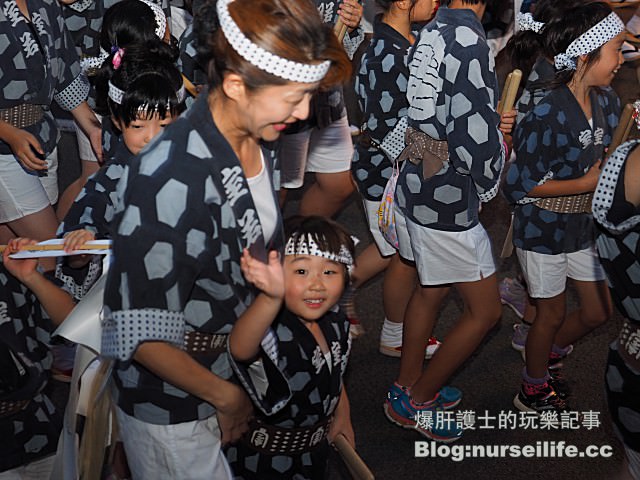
{"x": 267, "y": 111}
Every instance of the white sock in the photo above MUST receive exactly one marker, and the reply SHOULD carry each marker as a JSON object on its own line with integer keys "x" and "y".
{"x": 391, "y": 334}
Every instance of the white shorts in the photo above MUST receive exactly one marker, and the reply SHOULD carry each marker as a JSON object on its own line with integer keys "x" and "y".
{"x": 325, "y": 150}
{"x": 23, "y": 193}
{"x": 371, "y": 211}
{"x": 546, "y": 275}
{"x": 404, "y": 240}
{"x": 451, "y": 257}
{"x": 84, "y": 145}
{"x": 184, "y": 450}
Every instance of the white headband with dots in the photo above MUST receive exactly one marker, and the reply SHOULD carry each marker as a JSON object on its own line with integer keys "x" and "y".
{"x": 595, "y": 37}
{"x": 161, "y": 19}
{"x": 116, "y": 94}
{"x": 527, "y": 22}
{"x": 301, "y": 245}
{"x": 261, "y": 58}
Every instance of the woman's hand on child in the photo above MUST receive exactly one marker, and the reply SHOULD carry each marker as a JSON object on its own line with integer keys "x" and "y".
{"x": 233, "y": 414}
{"x": 268, "y": 277}
{"x": 350, "y": 12}
{"x": 75, "y": 239}
{"x": 25, "y": 148}
{"x": 23, "y": 269}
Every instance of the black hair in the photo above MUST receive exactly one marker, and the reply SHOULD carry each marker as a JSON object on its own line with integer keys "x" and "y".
{"x": 446, "y": 3}
{"x": 329, "y": 235}
{"x": 561, "y": 33}
{"x": 127, "y": 23}
{"x": 150, "y": 82}
{"x": 290, "y": 29}
{"x": 526, "y": 46}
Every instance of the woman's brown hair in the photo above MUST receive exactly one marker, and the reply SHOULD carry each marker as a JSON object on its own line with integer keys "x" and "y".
{"x": 291, "y": 29}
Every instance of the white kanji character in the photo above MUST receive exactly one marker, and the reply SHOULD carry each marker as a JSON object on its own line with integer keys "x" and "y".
{"x": 318, "y": 359}
{"x": 590, "y": 419}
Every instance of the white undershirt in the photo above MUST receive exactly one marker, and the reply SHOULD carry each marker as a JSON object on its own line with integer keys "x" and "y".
{"x": 262, "y": 194}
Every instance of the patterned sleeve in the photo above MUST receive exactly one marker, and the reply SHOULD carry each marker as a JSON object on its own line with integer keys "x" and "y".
{"x": 72, "y": 88}
{"x": 263, "y": 380}
{"x": 534, "y": 154}
{"x": 352, "y": 41}
{"x": 160, "y": 249}
{"x": 475, "y": 142}
{"x": 93, "y": 209}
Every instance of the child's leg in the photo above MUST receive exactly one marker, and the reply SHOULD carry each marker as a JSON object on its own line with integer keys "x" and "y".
{"x": 400, "y": 280}
{"x": 550, "y": 314}
{"x": 482, "y": 311}
{"x": 420, "y": 318}
{"x": 595, "y": 309}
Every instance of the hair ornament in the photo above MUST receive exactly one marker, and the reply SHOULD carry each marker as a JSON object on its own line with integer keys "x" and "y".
{"x": 161, "y": 18}
{"x": 526, "y": 22}
{"x": 263, "y": 59}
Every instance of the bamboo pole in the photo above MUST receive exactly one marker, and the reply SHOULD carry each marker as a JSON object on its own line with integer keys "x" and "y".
{"x": 509, "y": 91}
{"x": 622, "y": 130}
{"x": 356, "y": 466}
{"x": 57, "y": 246}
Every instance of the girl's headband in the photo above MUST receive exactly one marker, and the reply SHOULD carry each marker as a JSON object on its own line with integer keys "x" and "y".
{"x": 306, "y": 245}
{"x": 161, "y": 19}
{"x": 595, "y": 37}
{"x": 527, "y": 22}
{"x": 117, "y": 94}
{"x": 264, "y": 60}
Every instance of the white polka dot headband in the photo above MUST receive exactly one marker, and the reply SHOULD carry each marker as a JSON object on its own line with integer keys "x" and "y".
{"x": 116, "y": 94}
{"x": 261, "y": 58}
{"x": 527, "y": 22}
{"x": 161, "y": 19}
{"x": 595, "y": 37}
{"x": 301, "y": 245}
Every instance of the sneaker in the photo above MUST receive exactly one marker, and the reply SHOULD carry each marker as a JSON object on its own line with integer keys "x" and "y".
{"x": 432, "y": 346}
{"x": 513, "y": 295}
{"x": 402, "y": 411}
{"x": 448, "y": 397}
{"x": 519, "y": 337}
{"x": 539, "y": 398}
{"x": 555, "y": 360}
{"x": 559, "y": 383}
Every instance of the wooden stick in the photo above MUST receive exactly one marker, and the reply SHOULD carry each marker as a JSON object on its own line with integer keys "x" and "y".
{"x": 340, "y": 29}
{"x": 190, "y": 87}
{"x": 509, "y": 91}
{"x": 356, "y": 466}
{"x": 58, "y": 246}
{"x": 622, "y": 130}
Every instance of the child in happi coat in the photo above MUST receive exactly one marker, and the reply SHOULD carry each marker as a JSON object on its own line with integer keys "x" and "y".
{"x": 290, "y": 350}
{"x": 559, "y": 146}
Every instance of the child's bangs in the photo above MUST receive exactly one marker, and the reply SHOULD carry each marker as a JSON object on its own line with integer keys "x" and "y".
{"x": 149, "y": 96}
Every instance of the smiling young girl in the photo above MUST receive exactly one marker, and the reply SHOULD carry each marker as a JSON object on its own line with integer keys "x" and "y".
{"x": 301, "y": 350}
{"x": 559, "y": 146}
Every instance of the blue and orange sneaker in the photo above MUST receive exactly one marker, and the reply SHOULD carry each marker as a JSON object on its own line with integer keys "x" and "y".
{"x": 428, "y": 419}
{"x": 448, "y": 397}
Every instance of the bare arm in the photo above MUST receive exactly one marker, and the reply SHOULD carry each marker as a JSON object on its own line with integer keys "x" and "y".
{"x": 178, "y": 368}
{"x": 56, "y": 302}
{"x": 555, "y": 188}
{"x": 90, "y": 126}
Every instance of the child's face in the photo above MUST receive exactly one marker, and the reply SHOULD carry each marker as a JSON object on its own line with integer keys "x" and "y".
{"x": 140, "y": 132}
{"x": 313, "y": 285}
{"x": 601, "y": 73}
